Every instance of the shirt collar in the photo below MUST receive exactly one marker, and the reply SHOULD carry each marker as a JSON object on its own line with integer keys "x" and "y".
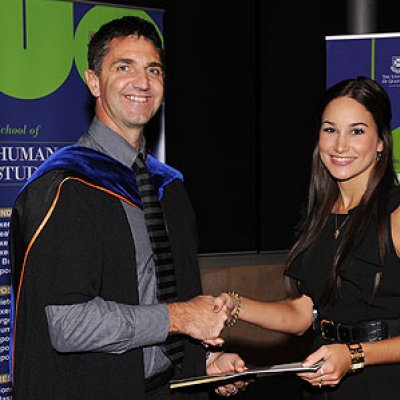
{"x": 113, "y": 144}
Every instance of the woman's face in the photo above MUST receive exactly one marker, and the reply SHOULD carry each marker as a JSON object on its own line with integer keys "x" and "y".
{"x": 348, "y": 140}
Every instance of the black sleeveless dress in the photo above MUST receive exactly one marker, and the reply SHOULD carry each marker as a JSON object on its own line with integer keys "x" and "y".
{"x": 356, "y": 302}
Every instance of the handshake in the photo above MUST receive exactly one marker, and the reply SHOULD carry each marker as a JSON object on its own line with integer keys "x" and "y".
{"x": 204, "y": 317}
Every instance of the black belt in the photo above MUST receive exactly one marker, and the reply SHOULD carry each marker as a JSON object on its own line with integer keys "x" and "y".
{"x": 367, "y": 331}
{"x": 157, "y": 380}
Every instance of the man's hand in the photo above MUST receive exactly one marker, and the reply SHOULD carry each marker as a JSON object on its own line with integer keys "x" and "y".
{"x": 198, "y": 318}
{"x": 219, "y": 363}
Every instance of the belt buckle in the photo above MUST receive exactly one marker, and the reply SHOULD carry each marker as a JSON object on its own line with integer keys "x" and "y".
{"x": 327, "y": 329}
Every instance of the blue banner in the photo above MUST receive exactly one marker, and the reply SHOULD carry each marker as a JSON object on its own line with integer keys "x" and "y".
{"x": 376, "y": 56}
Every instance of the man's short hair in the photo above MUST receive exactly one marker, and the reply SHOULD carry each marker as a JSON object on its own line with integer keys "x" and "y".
{"x": 122, "y": 27}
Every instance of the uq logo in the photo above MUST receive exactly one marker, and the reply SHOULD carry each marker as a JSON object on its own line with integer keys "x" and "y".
{"x": 41, "y": 43}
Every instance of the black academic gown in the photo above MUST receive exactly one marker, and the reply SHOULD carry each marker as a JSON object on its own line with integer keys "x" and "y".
{"x": 70, "y": 242}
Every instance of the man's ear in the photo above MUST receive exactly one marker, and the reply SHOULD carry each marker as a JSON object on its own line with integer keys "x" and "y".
{"x": 92, "y": 80}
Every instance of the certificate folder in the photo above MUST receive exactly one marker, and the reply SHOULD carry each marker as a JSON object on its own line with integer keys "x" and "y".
{"x": 245, "y": 375}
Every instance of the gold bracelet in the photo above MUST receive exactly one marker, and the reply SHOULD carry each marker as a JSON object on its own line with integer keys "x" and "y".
{"x": 357, "y": 357}
{"x": 235, "y": 313}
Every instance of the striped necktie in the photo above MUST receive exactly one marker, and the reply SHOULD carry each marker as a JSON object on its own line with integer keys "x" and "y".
{"x": 163, "y": 261}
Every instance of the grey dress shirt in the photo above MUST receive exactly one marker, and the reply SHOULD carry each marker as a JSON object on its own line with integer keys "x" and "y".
{"x": 107, "y": 326}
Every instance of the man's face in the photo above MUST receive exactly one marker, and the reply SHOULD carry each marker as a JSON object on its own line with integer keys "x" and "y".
{"x": 130, "y": 86}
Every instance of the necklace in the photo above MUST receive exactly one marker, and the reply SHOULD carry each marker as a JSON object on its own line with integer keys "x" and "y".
{"x": 338, "y": 228}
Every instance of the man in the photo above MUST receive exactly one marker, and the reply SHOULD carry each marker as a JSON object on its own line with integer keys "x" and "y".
{"x": 88, "y": 324}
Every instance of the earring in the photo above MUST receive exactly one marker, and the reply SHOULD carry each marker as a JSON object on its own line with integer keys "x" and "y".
{"x": 378, "y": 155}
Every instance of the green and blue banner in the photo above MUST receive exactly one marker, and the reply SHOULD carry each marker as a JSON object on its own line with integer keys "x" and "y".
{"x": 376, "y": 56}
{"x": 44, "y": 104}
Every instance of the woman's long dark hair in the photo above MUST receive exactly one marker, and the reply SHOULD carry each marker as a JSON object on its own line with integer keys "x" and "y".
{"x": 323, "y": 189}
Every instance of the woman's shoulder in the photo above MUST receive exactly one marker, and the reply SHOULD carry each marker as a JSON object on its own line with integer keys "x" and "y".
{"x": 394, "y": 208}
{"x": 394, "y": 199}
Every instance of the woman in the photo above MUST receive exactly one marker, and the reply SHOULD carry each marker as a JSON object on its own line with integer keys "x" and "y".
{"x": 344, "y": 269}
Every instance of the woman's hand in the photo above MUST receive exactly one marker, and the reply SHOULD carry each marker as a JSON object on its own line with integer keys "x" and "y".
{"x": 336, "y": 364}
{"x": 224, "y": 303}
{"x": 227, "y": 300}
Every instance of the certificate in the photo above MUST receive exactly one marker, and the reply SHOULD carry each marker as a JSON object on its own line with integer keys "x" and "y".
{"x": 250, "y": 373}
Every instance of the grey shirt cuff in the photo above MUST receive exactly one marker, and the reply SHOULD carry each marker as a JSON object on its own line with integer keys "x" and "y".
{"x": 106, "y": 326}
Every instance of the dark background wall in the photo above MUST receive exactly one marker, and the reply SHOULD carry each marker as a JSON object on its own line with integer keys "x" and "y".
{"x": 243, "y": 80}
